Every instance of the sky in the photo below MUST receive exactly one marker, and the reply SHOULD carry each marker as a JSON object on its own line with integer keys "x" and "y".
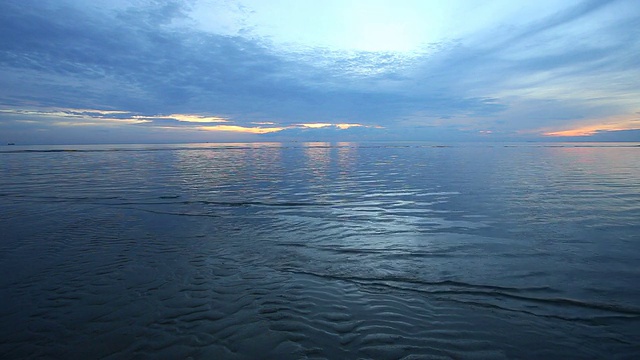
{"x": 151, "y": 71}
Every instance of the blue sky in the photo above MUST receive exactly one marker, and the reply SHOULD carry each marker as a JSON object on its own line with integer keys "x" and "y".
{"x": 75, "y": 71}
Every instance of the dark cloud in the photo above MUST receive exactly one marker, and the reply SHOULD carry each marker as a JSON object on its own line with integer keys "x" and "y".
{"x": 136, "y": 60}
{"x": 147, "y": 61}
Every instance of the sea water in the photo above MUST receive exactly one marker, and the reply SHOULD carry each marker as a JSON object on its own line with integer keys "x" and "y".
{"x": 320, "y": 250}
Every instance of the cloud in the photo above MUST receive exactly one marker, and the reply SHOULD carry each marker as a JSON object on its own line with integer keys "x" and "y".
{"x": 70, "y": 117}
{"x": 151, "y": 64}
{"x": 242, "y": 129}
{"x": 147, "y": 66}
{"x": 595, "y": 126}
{"x": 186, "y": 118}
{"x": 52, "y": 118}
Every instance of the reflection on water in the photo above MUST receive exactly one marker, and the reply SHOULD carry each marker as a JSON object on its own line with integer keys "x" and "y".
{"x": 347, "y": 157}
{"x": 344, "y": 250}
{"x": 318, "y": 161}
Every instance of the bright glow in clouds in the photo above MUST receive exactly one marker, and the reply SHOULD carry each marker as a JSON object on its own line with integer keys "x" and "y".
{"x": 330, "y": 70}
{"x": 618, "y": 123}
{"x": 346, "y": 126}
{"x": 184, "y": 118}
{"x": 365, "y": 25}
{"x": 362, "y": 25}
{"x": 342, "y": 126}
{"x": 315, "y": 126}
{"x": 241, "y": 129}
{"x": 197, "y": 118}
{"x": 96, "y": 117}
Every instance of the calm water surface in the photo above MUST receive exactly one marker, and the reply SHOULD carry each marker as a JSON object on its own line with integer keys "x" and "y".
{"x": 320, "y": 250}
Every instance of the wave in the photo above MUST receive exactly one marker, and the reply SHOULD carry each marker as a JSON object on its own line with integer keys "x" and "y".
{"x": 450, "y": 287}
{"x": 167, "y": 197}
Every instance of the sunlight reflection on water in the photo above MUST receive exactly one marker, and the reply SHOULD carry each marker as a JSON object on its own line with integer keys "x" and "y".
{"x": 340, "y": 250}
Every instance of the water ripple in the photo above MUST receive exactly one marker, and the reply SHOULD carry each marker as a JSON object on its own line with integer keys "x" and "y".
{"x": 319, "y": 250}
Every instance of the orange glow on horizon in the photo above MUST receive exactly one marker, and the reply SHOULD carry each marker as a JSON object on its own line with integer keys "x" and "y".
{"x": 241, "y": 129}
{"x": 70, "y": 117}
{"x": 611, "y": 124}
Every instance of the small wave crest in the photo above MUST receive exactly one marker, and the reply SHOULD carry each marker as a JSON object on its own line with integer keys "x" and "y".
{"x": 456, "y": 290}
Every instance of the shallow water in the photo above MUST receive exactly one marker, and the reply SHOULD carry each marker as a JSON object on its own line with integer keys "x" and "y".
{"x": 320, "y": 250}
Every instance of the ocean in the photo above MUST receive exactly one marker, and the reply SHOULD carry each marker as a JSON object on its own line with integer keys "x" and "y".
{"x": 402, "y": 250}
